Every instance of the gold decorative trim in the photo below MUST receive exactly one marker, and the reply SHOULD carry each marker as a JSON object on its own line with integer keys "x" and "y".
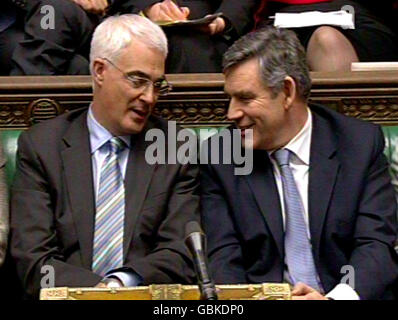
{"x": 165, "y": 292}
{"x": 265, "y": 291}
{"x": 54, "y": 294}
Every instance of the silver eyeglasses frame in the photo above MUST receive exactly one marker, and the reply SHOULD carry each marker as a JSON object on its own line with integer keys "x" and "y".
{"x": 160, "y": 87}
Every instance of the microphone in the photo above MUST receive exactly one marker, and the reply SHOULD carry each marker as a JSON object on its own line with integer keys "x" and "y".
{"x": 195, "y": 240}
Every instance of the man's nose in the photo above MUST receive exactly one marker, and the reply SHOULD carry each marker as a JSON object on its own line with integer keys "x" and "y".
{"x": 149, "y": 94}
{"x": 234, "y": 112}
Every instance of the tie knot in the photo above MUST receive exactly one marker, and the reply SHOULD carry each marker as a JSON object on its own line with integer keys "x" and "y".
{"x": 282, "y": 157}
{"x": 116, "y": 144}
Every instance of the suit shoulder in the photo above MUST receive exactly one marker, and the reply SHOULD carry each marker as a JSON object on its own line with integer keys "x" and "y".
{"x": 49, "y": 131}
{"x": 354, "y": 137}
{"x": 345, "y": 125}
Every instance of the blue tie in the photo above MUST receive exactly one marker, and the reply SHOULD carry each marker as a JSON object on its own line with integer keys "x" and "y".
{"x": 299, "y": 258}
{"x": 109, "y": 218}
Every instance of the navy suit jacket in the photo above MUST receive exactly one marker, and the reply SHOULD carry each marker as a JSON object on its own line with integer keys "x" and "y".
{"x": 352, "y": 211}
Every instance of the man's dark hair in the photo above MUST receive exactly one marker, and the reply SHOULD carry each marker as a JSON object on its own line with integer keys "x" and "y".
{"x": 280, "y": 54}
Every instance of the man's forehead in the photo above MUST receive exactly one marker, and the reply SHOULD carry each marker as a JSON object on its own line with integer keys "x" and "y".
{"x": 143, "y": 61}
{"x": 242, "y": 77}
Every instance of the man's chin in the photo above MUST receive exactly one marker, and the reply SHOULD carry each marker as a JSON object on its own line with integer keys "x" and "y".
{"x": 247, "y": 140}
{"x": 133, "y": 128}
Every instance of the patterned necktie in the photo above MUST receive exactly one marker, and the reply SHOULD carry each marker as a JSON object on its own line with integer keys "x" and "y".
{"x": 299, "y": 258}
{"x": 109, "y": 218}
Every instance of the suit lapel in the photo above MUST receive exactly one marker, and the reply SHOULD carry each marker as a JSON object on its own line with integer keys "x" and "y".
{"x": 324, "y": 166}
{"x": 263, "y": 186}
{"x": 76, "y": 159}
{"x": 137, "y": 180}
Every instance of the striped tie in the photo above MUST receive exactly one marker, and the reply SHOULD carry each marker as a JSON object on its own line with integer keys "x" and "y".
{"x": 109, "y": 218}
{"x": 299, "y": 258}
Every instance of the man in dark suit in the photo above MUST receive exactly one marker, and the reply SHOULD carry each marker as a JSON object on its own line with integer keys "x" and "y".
{"x": 64, "y": 48}
{"x": 318, "y": 208}
{"x": 86, "y": 203}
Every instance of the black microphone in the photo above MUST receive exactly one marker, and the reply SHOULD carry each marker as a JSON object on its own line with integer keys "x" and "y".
{"x": 195, "y": 240}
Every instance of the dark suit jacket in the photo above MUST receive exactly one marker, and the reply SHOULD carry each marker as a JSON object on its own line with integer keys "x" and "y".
{"x": 352, "y": 211}
{"x": 53, "y": 208}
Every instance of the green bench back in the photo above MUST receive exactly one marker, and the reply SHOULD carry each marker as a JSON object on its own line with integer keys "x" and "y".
{"x": 9, "y": 139}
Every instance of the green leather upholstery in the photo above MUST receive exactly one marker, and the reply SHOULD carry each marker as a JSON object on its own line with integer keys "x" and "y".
{"x": 9, "y": 140}
{"x": 391, "y": 151}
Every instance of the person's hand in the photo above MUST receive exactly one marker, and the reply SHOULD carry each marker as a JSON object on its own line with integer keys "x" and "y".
{"x": 166, "y": 10}
{"x": 93, "y": 6}
{"x": 109, "y": 283}
{"x": 215, "y": 27}
{"x": 101, "y": 285}
{"x": 303, "y": 292}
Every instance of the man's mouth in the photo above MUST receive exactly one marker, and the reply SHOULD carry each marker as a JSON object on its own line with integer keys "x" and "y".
{"x": 246, "y": 127}
{"x": 141, "y": 114}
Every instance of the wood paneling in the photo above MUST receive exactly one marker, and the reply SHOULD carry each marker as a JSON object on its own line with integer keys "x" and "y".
{"x": 197, "y": 99}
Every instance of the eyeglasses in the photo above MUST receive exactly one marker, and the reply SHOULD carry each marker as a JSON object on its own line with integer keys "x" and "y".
{"x": 161, "y": 87}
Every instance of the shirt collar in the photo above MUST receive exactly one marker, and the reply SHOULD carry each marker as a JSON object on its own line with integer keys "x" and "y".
{"x": 301, "y": 143}
{"x": 98, "y": 134}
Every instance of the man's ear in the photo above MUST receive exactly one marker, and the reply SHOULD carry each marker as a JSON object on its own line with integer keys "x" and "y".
{"x": 289, "y": 89}
{"x": 98, "y": 71}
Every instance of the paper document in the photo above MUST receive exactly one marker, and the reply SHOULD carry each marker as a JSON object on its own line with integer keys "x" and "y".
{"x": 340, "y": 18}
{"x": 374, "y": 66}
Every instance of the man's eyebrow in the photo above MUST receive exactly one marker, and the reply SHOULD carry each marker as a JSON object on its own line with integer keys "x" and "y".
{"x": 143, "y": 75}
{"x": 239, "y": 93}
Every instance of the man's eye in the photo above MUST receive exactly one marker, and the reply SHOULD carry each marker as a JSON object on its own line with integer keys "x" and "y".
{"x": 245, "y": 98}
{"x": 138, "y": 82}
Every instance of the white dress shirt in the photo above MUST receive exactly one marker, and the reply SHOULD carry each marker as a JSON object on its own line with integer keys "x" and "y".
{"x": 300, "y": 147}
{"x": 98, "y": 137}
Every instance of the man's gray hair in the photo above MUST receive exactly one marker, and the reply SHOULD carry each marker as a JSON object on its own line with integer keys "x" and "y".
{"x": 280, "y": 54}
{"x": 117, "y": 32}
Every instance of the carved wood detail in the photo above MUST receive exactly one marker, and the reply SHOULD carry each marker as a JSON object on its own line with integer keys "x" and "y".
{"x": 196, "y": 99}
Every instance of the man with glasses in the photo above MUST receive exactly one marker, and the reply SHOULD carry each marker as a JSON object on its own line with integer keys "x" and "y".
{"x": 85, "y": 200}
